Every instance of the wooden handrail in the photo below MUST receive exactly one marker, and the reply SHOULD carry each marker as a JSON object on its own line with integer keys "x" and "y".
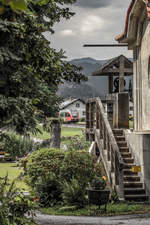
{"x": 109, "y": 130}
{"x": 102, "y": 130}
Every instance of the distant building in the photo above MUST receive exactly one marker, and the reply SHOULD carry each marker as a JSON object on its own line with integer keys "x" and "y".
{"x": 74, "y": 106}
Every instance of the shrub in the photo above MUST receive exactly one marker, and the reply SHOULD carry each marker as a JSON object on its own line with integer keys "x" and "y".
{"x": 78, "y": 165}
{"x": 51, "y": 170}
{"x": 48, "y": 190}
{"x": 73, "y": 193}
{"x": 43, "y": 161}
{"x": 78, "y": 143}
{"x": 15, "y": 145}
{"x": 14, "y": 205}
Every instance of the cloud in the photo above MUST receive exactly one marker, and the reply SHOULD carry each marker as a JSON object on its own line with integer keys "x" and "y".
{"x": 67, "y": 32}
{"x": 93, "y": 3}
{"x": 91, "y": 23}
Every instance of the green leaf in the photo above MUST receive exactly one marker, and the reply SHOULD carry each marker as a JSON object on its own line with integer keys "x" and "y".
{"x": 19, "y": 5}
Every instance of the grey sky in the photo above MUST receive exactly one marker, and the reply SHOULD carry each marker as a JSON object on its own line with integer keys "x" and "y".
{"x": 93, "y": 4}
{"x": 95, "y": 22}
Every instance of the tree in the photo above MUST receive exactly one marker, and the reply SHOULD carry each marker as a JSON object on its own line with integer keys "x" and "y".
{"x": 30, "y": 70}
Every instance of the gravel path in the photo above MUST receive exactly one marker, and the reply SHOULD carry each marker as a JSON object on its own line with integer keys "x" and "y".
{"x": 42, "y": 219}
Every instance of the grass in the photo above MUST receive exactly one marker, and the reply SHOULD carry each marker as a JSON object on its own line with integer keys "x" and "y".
{"x": 13, "y": 172}
{"x": 112, "y": 209}
{"x": 130, "y": 124}
{"x": 66, "y": 131}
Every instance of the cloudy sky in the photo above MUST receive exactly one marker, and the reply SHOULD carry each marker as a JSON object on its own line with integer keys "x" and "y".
{"x": 95, "y": 22}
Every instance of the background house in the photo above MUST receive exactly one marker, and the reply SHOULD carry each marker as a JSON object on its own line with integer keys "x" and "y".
{"x": 74, "y": 105}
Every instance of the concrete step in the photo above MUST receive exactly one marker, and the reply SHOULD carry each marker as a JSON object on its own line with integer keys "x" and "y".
{"x": 122, "y": 144}
{"x": 118, "y": 132}
{"x": 132, "y": 191}
{"x": 129, "y": 172}
{"x": 133, "y": 185}
{"x": 128, "y": 160}
{"x": 128, "y": 166}
{"x": 136, "y": 198}
{"x": 120, "y": 138}
{"x": 123, "y": 149}
{"x": 126, "y": 155}
{"x": 131, "y": 178}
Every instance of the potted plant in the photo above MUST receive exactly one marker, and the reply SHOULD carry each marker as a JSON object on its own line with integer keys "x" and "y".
{"x": 97, "y": 194}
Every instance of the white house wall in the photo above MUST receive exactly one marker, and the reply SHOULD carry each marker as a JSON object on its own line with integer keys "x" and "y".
{"x": 81, "y": 109}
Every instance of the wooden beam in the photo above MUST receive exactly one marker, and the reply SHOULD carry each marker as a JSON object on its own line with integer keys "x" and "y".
{"x": 110, "y": 88}
{"x": 105, "y": 45}
{"x": 121, "y": 75}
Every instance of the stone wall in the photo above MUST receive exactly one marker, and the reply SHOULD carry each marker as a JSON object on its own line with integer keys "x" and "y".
{"x": 139, "y": 145}
{"x": 142, "y": 82}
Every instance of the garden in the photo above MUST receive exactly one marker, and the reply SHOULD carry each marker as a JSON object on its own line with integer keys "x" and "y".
{"x": 59, "y": 180}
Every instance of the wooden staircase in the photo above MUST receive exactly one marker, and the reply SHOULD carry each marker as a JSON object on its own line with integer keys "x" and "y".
{"x": 133, "y": 187}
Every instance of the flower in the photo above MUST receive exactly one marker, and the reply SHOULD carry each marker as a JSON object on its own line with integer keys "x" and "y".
{"x": 104, "y": 178}
{"x": 36, "y": 199}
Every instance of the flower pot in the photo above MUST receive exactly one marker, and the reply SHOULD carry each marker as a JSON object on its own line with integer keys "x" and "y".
{"x": 98, "y": 197}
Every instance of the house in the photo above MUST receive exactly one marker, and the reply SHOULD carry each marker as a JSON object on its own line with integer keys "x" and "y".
{"x": 74, "y": 106}
{"x": 137, "y": 35}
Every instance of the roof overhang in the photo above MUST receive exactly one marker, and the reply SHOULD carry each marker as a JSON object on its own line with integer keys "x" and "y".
{"x": 137, "y": 12}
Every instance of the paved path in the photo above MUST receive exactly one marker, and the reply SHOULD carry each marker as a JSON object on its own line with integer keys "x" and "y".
{"x": 76, "y": 220}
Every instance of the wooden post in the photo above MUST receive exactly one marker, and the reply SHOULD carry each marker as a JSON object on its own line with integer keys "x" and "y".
{"x": 110, "y": 85}
{"x": 121, "y": 75}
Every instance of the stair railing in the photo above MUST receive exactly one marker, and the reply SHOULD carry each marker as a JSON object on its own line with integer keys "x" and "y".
{"x": 98, "y": 128}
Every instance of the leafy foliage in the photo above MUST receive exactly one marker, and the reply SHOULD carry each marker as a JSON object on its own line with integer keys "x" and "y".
{"x": 98, "y": 183}
{"x": 43, "y": 161}
{"x": 77, "y": 165}
{"x": 49, "y": 190}
{"x": 78, "y": 142}
{"x": 51, "y": 171}
{"x": 30, "y": 69}
{"x": 15, "y": 145}
{"x": 14, "y": 205}
{"x": 74, "y": 193}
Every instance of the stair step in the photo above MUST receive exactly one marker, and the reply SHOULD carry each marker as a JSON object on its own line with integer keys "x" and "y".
{"x": 126, "y": 155}
{"x": 123, "y": 149}
{"x": 118, "y": 132}
{"x": 129, "y": 172}
{"x": 136, "y": 191}
{"x": 122, "y": 143}
{"x": 120, "y": 138}
{"x": 133, "y": 185}
{"x": 128, "y": 165}
{"x": 136, "y": 198}
{"x": 131, "y": 178}
{"x": 128, "y": 160}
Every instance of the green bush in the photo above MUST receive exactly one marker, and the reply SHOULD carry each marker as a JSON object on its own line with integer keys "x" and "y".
{"x": 78, "y": 142}
{"x": 78, "y": 165}
{"x": 48, "y": 190}
{"x": 15, "y": 145}
{"x": 50, "y": 171}
{"x": 14, "y": 206}
{"x": 43, "y": 161}
{"x": 74, "y": 193}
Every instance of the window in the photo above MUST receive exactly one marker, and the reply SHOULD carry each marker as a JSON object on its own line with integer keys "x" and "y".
{"x": 78, "y": 105}
{"x": 83, "y": 113}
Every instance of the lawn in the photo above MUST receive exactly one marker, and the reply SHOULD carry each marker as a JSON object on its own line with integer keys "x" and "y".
{"x": 66, "y": 131}
{"x": 112, "y": 209}
{"x": 13, "y": 172}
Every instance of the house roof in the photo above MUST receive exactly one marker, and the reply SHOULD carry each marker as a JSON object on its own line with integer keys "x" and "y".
{"x": 135, "y": 9}
{"x": 70, "y": 102}
{"x": 122, "y": 35}
{"x": 111, "y": 67}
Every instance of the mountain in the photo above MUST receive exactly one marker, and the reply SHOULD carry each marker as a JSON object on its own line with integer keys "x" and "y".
{"x": 95, "y": 86}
